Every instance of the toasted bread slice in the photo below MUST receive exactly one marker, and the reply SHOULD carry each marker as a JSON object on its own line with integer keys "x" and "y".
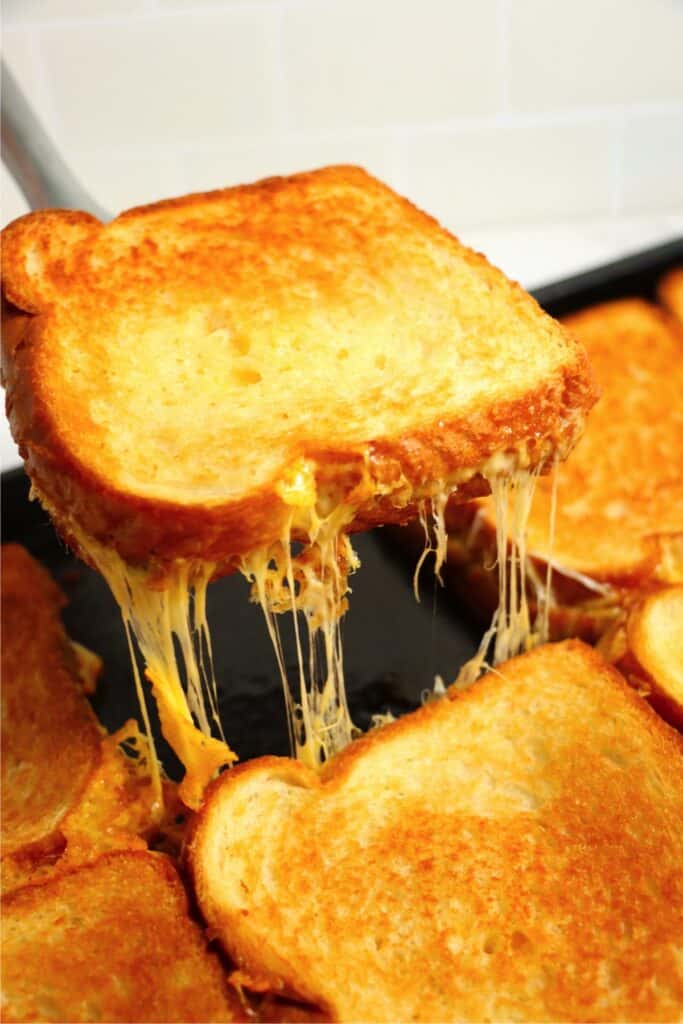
{"x": 68, "y": 791}
{"x": 670, "y": 292}
{"x": 51, "y": 742}
{"x": 511, "y": 852}
{"x": 194, "y": 377}
{"x": 646, "y": 645}
{"x": 618, "y": 526}
{"x": 111, "y": 941}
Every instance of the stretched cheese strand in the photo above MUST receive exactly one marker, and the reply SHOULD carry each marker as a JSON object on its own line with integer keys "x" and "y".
{"x": 314, "y": 583}
{"x": 158, "y": 619}
{"x": 439, "y": 546}
{"x": 511, "y": 630}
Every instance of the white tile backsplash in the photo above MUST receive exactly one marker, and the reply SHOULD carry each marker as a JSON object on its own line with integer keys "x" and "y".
{"x": 501, "y": 173}
{"x": 652, "y": 170}
{"x": 164, "y": 79}
{"x": 67, "y": 10}
{"x": 594, "y": 53}
{"x": 359, "y": 63}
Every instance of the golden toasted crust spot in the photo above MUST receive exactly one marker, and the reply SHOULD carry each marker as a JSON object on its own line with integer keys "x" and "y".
{"x": 112, "y": 941}
{"x": 183, "y": 363}
{"x": 510, "y": 853}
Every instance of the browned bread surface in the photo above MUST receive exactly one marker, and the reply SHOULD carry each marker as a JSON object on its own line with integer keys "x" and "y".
{"x": 50, "y": 736}
{"x": 182, "y": 380}
{"x": 111, "y": 941}
{"x": 670, "y": 292}
{"x": 512, "y": 853}
{"x": 68, "y": 793}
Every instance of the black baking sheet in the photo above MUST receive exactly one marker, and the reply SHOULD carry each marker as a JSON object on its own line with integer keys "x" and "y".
{"x": 393, "y": 646}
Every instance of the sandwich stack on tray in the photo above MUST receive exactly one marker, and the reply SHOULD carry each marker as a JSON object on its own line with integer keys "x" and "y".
{"x": 238, "y": 381}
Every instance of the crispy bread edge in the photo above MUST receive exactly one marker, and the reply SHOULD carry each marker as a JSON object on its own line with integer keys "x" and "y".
{"x": 285, "y": 982}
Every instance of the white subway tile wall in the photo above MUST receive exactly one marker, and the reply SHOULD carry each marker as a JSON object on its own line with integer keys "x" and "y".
{"x": 647, "y": 137}
{"x": 377, "y": 63}
{"x": 583, "y": 54}
{"x": 494, "y": 113}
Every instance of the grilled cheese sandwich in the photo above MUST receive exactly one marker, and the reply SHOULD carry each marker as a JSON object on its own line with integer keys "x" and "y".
{"x": 206, "y": 380}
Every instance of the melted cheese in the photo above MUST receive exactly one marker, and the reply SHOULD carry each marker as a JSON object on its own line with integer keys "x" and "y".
{"x": 511, "y": 631}
{"x": 312, "y": 586}
{"x": 436, "y": 537}
{"x": 159, "y": 619}
{"x": 169, "y": 621}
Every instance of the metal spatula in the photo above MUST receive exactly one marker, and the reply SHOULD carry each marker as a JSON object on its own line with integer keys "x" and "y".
{"x": 34, "y": 161}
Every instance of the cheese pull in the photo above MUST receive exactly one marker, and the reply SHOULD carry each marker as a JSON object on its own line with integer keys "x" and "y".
{"x": 201, "y": 755}
{"x": 313, "y": 585}
{"x": 162, "y": 620}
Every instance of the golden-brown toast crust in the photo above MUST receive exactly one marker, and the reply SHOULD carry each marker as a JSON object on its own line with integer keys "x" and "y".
{"x": 382, "y": 476}
{"x": 50, "y": 737}
{"x": 544, "y": 893}
{"x": 111, "y": 941}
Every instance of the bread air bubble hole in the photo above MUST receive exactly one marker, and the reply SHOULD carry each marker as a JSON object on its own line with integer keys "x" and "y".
{"x": 343, "y": 353}
{"x": 380, "y": 362}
